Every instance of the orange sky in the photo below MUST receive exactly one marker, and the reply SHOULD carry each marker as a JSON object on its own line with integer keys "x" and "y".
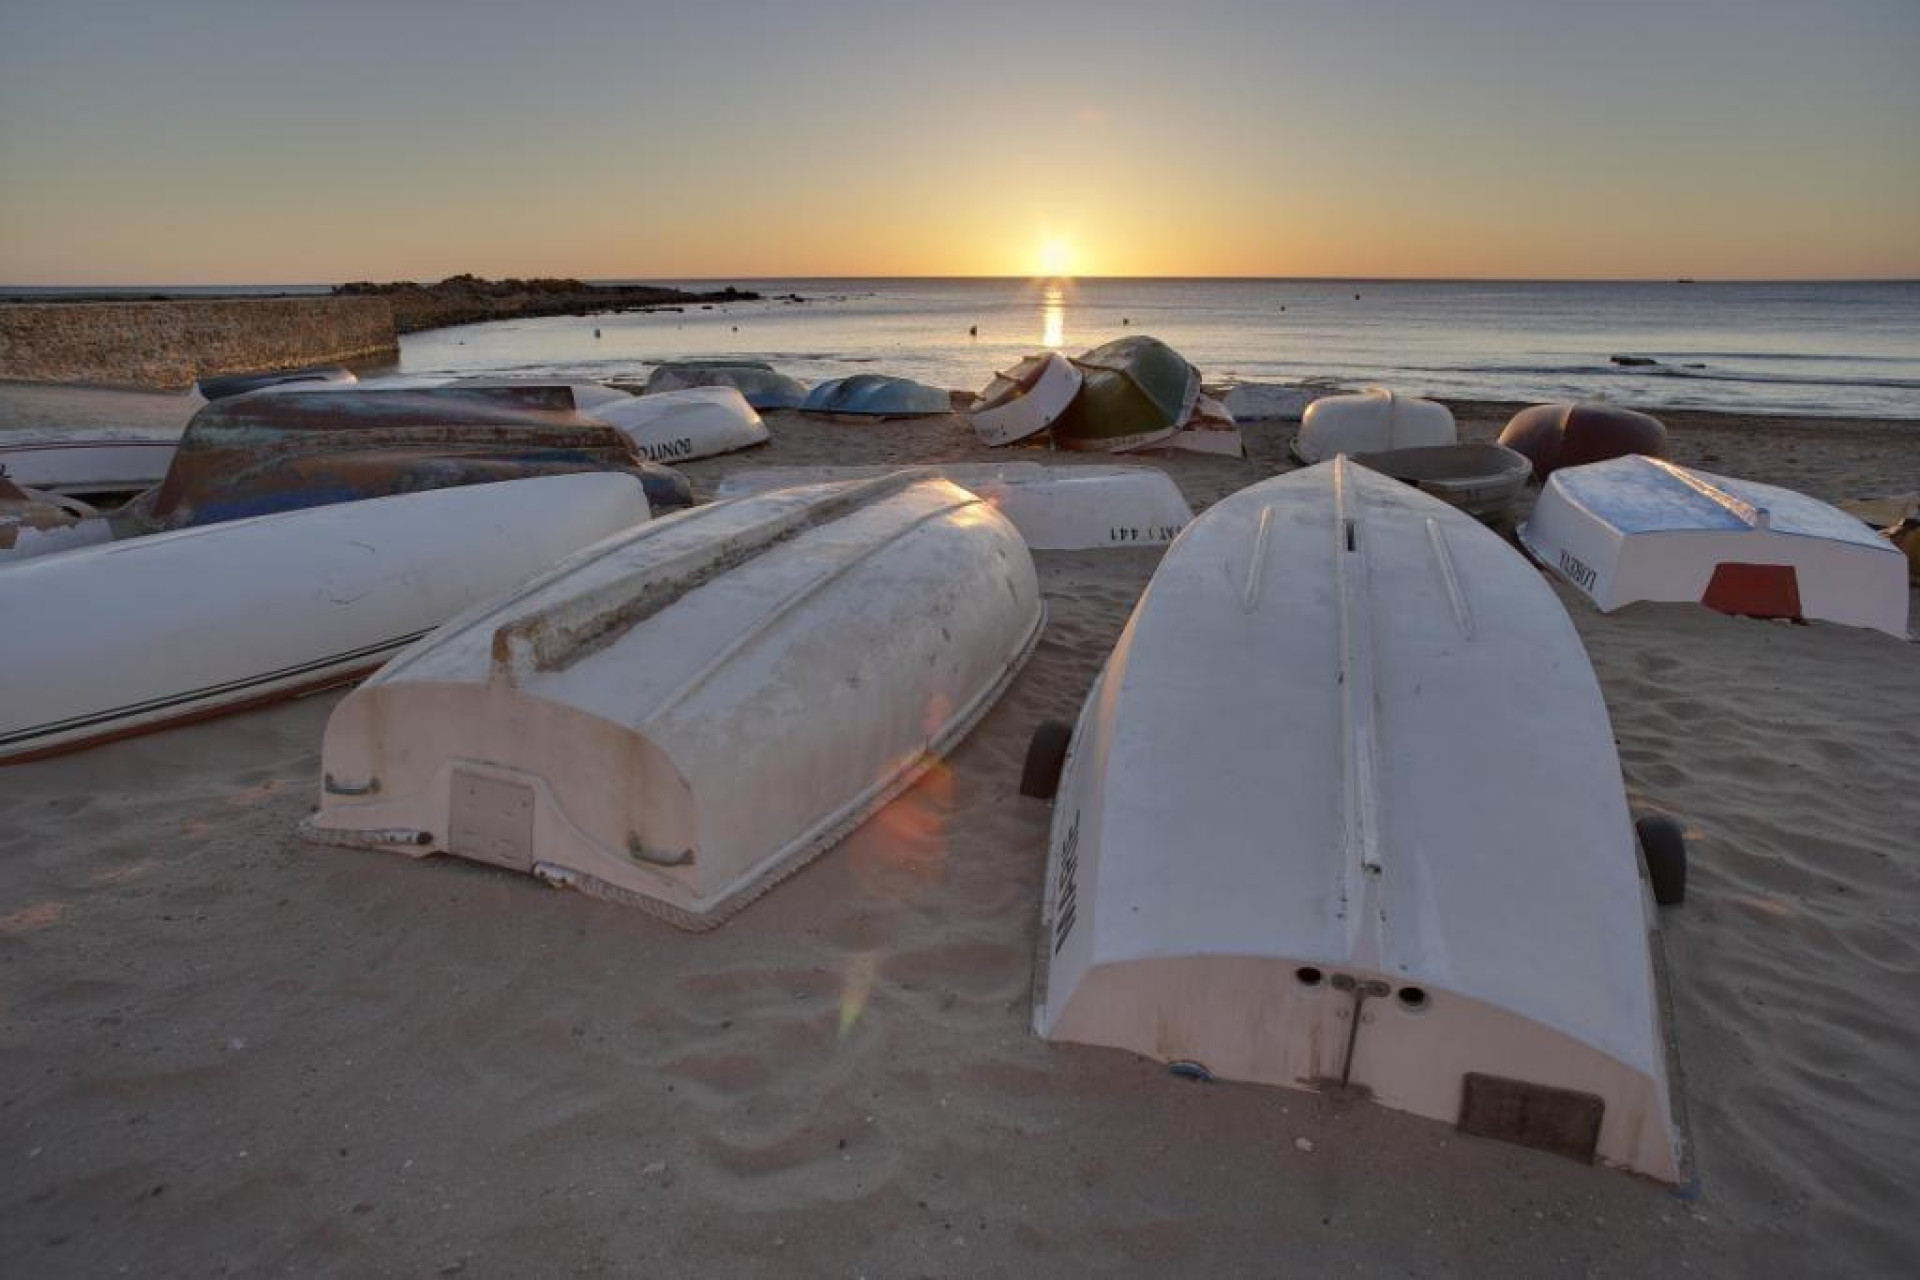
{"x": 1726, "y": 138}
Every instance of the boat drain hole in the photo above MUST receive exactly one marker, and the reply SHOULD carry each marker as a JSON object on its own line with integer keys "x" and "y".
{"x": 1307, "y": 975}
{"x": 1413, "y": 999}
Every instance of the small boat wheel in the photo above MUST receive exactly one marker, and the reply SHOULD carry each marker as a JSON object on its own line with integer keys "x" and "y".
{"x": 1046, "y": 755}
{"x": 1663, "y": 847}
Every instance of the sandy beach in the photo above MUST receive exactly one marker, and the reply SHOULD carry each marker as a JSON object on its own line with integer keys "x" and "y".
{"x": 226, "y": 1051}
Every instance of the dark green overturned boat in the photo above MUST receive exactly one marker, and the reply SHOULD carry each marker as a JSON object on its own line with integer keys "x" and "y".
{"x": 1134, "y": 392}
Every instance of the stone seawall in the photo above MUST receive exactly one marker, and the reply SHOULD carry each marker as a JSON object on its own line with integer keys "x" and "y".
{"x": 169, "y": 344}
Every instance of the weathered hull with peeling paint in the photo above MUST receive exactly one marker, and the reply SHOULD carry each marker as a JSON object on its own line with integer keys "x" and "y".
{"x": 109, "y": 641}
{"x": 1271, "y": 856}
{"x": 310, "y": 445}
{"x": 685, "y": 715}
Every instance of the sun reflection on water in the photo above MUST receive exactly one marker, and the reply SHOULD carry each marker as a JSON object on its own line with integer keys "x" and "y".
{"x": 1053, "y": 316}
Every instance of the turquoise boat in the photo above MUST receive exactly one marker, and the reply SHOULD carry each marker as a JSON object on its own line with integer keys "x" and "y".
{"x": 871, "y": 395}
{"x": 1134, "y": 392}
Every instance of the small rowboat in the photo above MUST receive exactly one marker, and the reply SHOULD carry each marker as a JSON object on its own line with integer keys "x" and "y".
{"x": 1134, "y": 393}
{"x": 1026, "y": 399}
{"x": 1638, "y": 528}
{"x": 677, "y": 426}
{"x": 1270, "y": 860}
{"x": 1572, "y": 435}
{"x": 873, "y": 395}
{"x": 113, "y": 640}
{"x": 1480, "y": 479}
{"x": 678, "y": 718}
{"x": 1372, "y": 421}
{"x": 764, "y": 387}
{"x": 1070, "y": 508}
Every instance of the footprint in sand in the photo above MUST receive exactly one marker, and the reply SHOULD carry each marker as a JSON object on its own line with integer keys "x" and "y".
{"x": 256, "y": 794}
{"x": 41, "y": 915}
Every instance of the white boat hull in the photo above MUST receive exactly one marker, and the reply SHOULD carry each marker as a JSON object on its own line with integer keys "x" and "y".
{"x": 1064, "y": 508}
{"x": 1299, "y": 671}
{"x": 678, "y": 426}
{"x": 1371, "y": 421}
{"x": 1026, "y": 399}
{"x": 1640, "y": 529}
{"x": 89, "y": 462}
{"x": 679, "y": 718}
{"x": 113, "y": 640}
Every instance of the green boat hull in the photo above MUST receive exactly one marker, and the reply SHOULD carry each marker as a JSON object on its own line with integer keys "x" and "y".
{"x": 1135, "y": 392}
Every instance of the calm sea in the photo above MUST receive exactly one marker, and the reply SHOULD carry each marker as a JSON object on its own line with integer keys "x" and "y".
{"x": 1837, "y": 348}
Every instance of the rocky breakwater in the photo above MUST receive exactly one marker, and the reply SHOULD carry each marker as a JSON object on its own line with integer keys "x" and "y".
{"x": 168, "y": 343}
{"x": 466, "y": 299}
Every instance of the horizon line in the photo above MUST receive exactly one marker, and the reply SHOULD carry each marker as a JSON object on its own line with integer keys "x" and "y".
{"x": 1008, "y": 276}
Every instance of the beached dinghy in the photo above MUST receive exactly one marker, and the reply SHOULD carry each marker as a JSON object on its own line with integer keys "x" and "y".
{"x": 874, "y": 395}
{"x": 1571, "y": 435}
{"x": 1480, "y": 479}
{"x": 679, "y": 718}
{"x": 1638, "y": 528}
{"x": 1371, "y": 421}
{"x": 1134, "y": 392}
{"x": 1026, "y": 399}
{"x": 764, "y": 387}
{"x": 1270, "y": 858}
{"x": 674, "y": 426}
{"x": 108, "y": 641}
{"x": 280, "y": 451}
{"x": 90, "y": 462}
{"x": 1055, "y": 508}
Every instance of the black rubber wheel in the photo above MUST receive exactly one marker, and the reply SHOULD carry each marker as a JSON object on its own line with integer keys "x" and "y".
{"x": 1663, "y": 846}
{"x": 1046, "y": 754}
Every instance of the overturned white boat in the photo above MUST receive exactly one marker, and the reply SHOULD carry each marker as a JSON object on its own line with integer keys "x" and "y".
{"x": 676, "y": 426}
{"x": 1460, "y": 934}
{"x": 679, "y": 718}
{"x": 1064, "y": 508}
{"x": 107, "y": 641}
{"x": 1371, "y": 421}
{"x": 1638, "y": 528}
{"x": 1026, "y": 399}
{"x": 90, "y": 462}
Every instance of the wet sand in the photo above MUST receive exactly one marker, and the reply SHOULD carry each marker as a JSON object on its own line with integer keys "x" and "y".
{"x": 223, "y": 1050}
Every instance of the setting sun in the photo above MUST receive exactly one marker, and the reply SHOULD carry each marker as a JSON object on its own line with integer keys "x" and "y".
{"x": 1055, "y": 258}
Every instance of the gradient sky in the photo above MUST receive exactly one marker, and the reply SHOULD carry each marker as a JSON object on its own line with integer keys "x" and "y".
{"x": 214, "y": 141}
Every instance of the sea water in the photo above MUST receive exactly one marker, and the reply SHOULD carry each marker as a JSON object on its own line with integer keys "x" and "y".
{"x": 1841, "y": 349}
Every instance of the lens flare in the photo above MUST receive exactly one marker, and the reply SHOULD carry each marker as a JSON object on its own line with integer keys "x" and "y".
{"x": 855, "y": 987}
